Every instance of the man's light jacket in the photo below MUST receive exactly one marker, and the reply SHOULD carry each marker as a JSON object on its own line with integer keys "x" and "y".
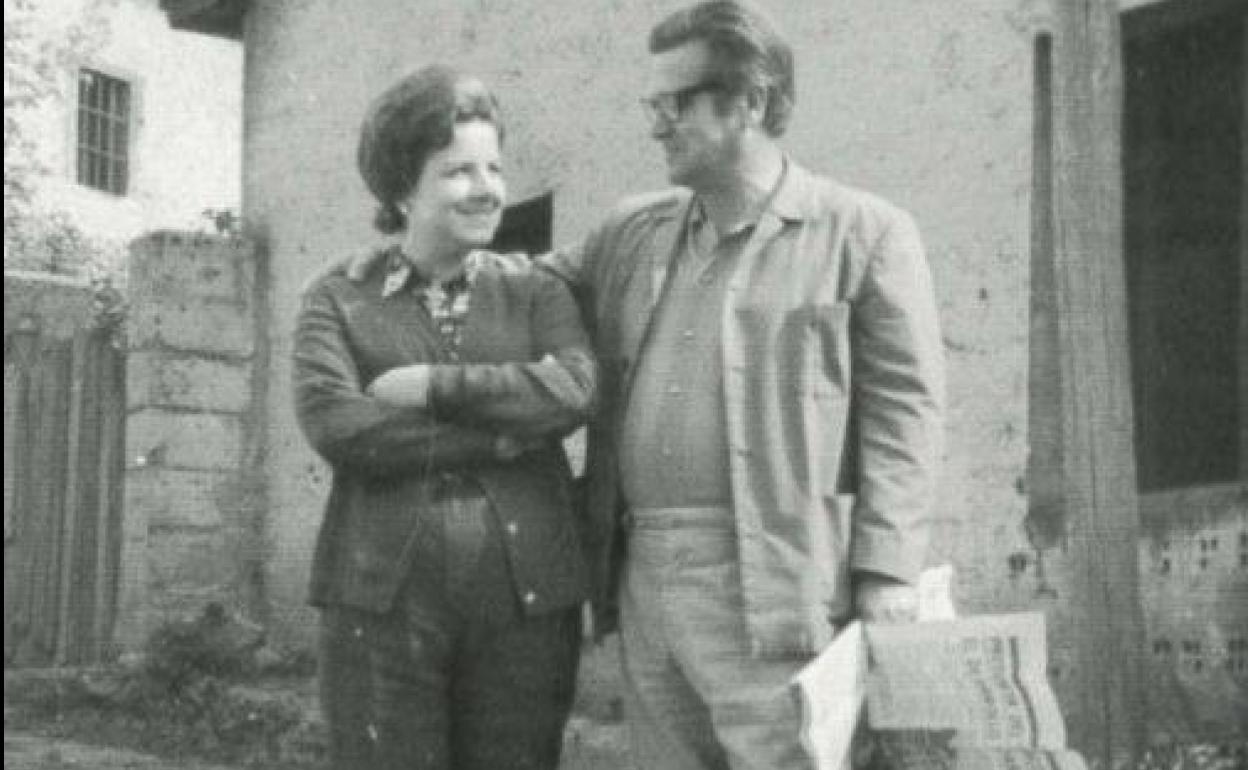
{"x": 833, "y": 388}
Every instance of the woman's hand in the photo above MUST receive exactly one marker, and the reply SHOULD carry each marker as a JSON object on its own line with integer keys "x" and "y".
{"x": 403, "y": 386}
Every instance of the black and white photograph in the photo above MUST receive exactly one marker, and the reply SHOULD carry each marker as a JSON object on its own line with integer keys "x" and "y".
{"x": 626, "y": 385}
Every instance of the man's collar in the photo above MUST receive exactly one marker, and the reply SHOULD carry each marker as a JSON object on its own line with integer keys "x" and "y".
{"x": 786, "y": 200}
{"x": 791, "y": 196}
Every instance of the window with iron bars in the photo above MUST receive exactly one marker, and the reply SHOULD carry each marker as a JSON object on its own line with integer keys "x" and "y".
{"x": 103, "y": 132}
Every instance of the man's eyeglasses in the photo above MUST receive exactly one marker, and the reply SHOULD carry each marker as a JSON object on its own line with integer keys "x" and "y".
{"x": 671, "y": 105}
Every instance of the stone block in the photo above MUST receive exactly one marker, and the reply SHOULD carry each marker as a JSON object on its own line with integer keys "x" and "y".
{"x": 158, "y": 378}
{"x": 173, "y": 266}
{"x": 173, "y": 603}
{"x": 193, "y": 325}
{"x": 167, "y": 497}
{"x": 186, "y": 561}
{"x": 183, "y": 440}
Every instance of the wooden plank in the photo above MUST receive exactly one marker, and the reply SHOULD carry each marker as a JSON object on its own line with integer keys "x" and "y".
{"x": 30, "y": 526}
{"x": 108, "y": 471}
{"x": 17, "y": 481}
{"x": 1101, "y": 625}
{"x": 117, "y": 512}
{"x": 50, "y": 383}
{"x": 44, "y": 528}
{"x": 72, "y": 498}
{"x": 1243, "y": 259}
{"x": 13, "y": 454}
{"x": 81, "y": 647}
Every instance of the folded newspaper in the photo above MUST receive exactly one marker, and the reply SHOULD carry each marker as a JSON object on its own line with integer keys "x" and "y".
{"x": 963, "y": 694}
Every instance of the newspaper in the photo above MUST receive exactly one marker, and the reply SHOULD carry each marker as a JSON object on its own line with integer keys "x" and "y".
{"x": 969, "y": 693}
{"x": 963, "y": 694}
{"x": 831, "y": 691}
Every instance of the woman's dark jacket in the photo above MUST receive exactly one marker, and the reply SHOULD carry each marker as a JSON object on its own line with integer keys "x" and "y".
{"x": 524, "y": 371}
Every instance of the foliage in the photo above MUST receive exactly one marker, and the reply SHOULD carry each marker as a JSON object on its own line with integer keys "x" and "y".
{"x": 225, "y": 222}
{"x": 50, "y": 242}
{"x": 33, "y": 67}
{"x": 109, "y": 306}
{"x": 35, "y": 237}
{"x": 197, "y": 690}
{"x": 1203, "y": 756}
{"x": 215, "y": 645}
{"x": 29, "y": 78}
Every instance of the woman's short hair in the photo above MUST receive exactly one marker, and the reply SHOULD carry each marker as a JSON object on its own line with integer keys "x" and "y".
{"x": 410, "y": 121}
{"x": 745, "y": 51}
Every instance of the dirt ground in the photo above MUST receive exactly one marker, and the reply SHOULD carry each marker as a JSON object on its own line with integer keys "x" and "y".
{"x": 601, "y": 751}
{"x": 595, "y": 738}
{"x": 33, "y": 752}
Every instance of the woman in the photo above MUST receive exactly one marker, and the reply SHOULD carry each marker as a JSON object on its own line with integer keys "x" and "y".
{"x": 437, "y": 383}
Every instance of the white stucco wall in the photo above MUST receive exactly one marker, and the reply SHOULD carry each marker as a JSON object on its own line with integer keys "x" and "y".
{"x": 186, "y": 111}
{"x": 928, "y": 104}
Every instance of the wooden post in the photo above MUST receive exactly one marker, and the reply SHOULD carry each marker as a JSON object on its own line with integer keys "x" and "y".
{"x": 1243, "y": 262}
{"x": 1045, "y": 511}
{"x": 1101, "y": 625}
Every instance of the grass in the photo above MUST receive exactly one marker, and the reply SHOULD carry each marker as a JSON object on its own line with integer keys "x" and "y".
{"x": 264, "y": 725}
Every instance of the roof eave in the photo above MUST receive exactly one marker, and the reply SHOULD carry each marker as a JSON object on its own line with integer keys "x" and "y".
{"x": 219, "y": 18}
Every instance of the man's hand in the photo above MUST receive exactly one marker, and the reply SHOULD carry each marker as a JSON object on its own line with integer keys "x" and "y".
{"x": 881, "y": 599}
{"x": 403, "y": 386}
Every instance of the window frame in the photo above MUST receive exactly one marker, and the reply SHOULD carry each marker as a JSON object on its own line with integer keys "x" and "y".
{"x": 78, "y": 145}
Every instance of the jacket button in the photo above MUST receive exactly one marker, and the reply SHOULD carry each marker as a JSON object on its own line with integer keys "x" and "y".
{"x": 512, "y": 528}
{"x": 530, "y": 597}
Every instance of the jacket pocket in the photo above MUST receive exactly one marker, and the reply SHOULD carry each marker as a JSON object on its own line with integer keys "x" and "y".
{"x": 828, "y": 352}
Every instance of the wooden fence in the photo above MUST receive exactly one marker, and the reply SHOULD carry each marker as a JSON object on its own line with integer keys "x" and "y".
{"x": 64, "y": 429}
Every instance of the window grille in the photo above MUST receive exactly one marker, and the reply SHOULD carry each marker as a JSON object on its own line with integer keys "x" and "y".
{"x": 103, "y": 132}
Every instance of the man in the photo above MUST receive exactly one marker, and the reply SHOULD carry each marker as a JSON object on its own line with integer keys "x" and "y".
{"x": 764, "y": 456}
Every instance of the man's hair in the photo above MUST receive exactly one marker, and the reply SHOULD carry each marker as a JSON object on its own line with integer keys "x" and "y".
{"x": 745, "y": 51}
{"x": 413, "y": 119}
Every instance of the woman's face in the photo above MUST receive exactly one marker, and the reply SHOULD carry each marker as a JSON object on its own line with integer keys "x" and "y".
{"x": 458, "y": 201}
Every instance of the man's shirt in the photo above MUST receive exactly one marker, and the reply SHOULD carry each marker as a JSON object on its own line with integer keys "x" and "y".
{"x": 674, "y": 449}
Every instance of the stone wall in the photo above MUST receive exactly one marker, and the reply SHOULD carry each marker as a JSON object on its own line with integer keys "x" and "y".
{"x": 194, "y": 500}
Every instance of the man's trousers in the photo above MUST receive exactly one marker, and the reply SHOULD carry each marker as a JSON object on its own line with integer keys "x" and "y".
{"x": 696, "y": 698}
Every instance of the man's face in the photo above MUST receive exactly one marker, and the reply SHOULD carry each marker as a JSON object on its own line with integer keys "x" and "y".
{"x": 699, "y": 142}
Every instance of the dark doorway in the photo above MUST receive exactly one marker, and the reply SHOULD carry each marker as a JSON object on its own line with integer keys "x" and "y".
{"x": 1184, "y": 167}
{"x": 526, "y": 226}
